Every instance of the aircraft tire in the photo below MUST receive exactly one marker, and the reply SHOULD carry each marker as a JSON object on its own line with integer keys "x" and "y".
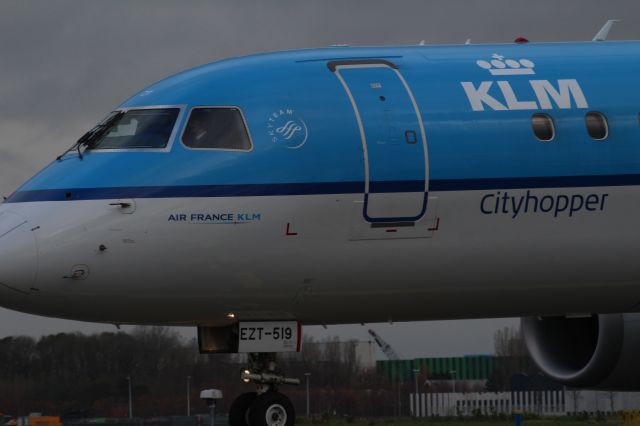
{"x": 239, "y": 410}
{"x": 272, "y": 409}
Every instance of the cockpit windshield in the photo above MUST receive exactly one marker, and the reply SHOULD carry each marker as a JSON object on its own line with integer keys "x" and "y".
{"x": 137, "y": 129}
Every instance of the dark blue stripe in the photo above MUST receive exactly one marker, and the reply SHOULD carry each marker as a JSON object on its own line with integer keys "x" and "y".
{"x": 396, "y": 186}
{"x": 275, "y": 189}
{"x": 249, "y": 190}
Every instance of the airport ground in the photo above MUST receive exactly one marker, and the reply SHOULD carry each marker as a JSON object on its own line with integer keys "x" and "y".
{"x": 407, "y": 421}
{"x": 387, "y": 421}
{"x": 458, "y": 422}
{"x": 527, "y": 419}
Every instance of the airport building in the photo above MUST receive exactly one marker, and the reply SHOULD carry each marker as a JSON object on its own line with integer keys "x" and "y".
{"x": 467, "y": 368}
{"x": 492, "y": 385}
{"x": 468, "y": 373}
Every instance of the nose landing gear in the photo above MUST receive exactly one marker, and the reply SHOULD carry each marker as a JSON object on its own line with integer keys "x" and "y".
{"x": 267, "y": 406}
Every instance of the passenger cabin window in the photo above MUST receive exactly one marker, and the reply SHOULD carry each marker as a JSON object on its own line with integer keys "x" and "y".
{"x": 597, "y": 125}
{"x": 543, "y": 127}
{"x": 216, "y": 128}
{"x": 135, "y": 129}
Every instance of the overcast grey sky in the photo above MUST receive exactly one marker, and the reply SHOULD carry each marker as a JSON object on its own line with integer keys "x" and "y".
{"x": 65, "y": 64}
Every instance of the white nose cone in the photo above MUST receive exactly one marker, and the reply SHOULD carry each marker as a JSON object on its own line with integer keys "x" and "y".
{"x": 18, "y": 256}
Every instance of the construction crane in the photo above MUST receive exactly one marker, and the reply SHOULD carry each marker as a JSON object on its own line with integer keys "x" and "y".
{"x": 384, "y": 346}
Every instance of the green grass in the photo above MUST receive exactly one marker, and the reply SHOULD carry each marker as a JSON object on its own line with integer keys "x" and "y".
{"x": 560, "y": 421}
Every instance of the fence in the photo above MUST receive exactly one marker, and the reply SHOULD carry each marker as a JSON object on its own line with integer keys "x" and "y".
{"x": 544, "y": 403}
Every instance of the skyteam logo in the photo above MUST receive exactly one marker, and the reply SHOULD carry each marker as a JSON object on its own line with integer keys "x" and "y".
{"x": 501, "y": 95}
{"x": 287, "y": 128}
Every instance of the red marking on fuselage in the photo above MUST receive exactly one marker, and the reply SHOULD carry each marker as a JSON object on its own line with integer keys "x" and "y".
{"x": 435, "y": 228}
{"x": 289, "y": 232}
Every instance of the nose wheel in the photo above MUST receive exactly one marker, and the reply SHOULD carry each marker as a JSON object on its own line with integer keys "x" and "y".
{"x": 267, "y": 407}
{"x": 239, "y": 410}
{"x": 272, "y": 409}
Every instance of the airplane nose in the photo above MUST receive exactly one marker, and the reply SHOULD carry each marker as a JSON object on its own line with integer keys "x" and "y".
{"x": 18, "y": 255}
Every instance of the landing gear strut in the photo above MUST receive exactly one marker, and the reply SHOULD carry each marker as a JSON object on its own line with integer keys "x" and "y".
{"x": 267, "y": 406}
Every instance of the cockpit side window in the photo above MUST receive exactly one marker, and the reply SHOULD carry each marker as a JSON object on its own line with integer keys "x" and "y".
{"x": 216, "y": 128}
{"x": 138, "y": 129}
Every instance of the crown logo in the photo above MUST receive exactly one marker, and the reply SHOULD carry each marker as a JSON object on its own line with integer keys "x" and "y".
{"x": 500, "y": 66}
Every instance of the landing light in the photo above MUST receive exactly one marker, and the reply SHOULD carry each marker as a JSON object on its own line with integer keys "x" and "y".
{"x": 245, "y": 373}
{"x": 231, "y": 315}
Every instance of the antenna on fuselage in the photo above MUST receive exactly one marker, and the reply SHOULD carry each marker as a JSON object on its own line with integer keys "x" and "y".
{"x": 422, "y": 42}
{"x": 604, "y": 31}
{"x": 468, "y": 41}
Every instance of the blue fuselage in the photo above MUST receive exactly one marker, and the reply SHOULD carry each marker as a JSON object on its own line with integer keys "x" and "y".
{"x": 491, "y": 148}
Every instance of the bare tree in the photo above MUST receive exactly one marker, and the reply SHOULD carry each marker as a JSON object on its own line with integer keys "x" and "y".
{"x": 511, "y": 358}
{"x": 509, "y": 342}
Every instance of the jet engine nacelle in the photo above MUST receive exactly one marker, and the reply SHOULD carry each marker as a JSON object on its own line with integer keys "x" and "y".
{"x": 598, "y": 351}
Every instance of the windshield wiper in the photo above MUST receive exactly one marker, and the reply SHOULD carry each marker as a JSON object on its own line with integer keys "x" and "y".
{"x": 93, "y": 135}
